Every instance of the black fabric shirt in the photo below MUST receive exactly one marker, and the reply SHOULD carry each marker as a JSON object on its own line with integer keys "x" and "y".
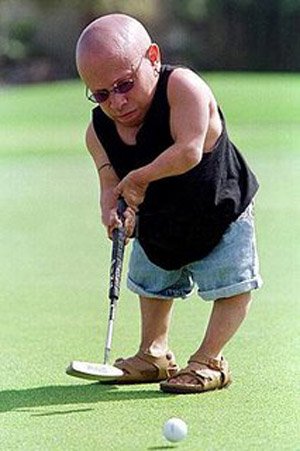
{"x": 183, "y": 217}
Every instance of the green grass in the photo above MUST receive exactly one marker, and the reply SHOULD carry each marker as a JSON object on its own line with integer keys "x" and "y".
{"x": 54, "y": 277}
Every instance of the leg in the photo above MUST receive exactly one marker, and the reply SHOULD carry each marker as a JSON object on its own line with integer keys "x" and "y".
{"x": 233, "y": 263}
{"x": 226, "y": 317}
{"x": 145, "y": 278}
{"x": 155, "y": 324}
{"x": 153, "y": 362}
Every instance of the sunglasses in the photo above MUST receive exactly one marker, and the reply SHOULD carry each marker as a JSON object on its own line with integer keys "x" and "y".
{"x": 121, "y": 87}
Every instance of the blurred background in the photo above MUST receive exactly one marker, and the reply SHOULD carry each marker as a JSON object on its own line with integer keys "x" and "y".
{"x": 38, "y": 37}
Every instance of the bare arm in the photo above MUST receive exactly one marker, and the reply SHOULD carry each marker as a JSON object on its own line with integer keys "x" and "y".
{"x": 108, "y": 180}
{"x": 189, "y": 99}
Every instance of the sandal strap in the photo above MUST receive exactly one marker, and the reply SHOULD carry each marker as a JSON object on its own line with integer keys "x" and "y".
{"x": 160, "y": 363}
{"x": 158, "y": 367}
{"x": 214, "y": 364}
{"x": 220, "y": 365}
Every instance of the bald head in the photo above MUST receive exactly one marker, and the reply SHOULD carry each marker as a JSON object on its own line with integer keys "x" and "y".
{"x": 111, "y": 36}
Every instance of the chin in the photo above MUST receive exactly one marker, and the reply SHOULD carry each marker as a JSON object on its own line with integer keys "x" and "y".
{"x": 131, "y": 121}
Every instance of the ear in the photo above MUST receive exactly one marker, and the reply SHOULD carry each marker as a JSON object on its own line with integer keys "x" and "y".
{"x": 153, "y": 53}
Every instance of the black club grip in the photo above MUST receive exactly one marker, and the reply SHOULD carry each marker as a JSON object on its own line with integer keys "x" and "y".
{"x": 117, "y": 255}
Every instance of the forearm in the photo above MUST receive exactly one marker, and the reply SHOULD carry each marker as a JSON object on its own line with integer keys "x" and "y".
{"x": 108, "y": 198}
{"x": 175, "y": 160}
{"x": 108, "y": 204}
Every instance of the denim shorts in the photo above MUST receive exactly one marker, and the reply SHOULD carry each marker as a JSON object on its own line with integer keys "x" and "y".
{"x": 230, "y": 269}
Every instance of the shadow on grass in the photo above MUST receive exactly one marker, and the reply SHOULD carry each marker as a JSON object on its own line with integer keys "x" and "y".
{"x": 12, "y": 400}
{"x": 162, "y": 447}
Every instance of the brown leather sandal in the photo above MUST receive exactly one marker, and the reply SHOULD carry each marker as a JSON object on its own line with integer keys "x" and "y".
{"x": 143, "y": 368}
{"x": 216, "y": 375}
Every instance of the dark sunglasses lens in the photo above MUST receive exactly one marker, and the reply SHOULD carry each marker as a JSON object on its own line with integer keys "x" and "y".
{"x": 124, "y": 86}
{"x": 100, "y": 96}
{"x": 120, "y": 88}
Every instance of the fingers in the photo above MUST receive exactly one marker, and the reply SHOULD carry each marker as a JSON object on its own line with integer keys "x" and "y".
{"x": 131, "y": 190}
{"x": 130, "y": 220}
{"x": 115, "y": 222}
{"x": 131, "y": 199}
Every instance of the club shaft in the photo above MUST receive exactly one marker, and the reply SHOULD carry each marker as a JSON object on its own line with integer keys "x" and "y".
{"x": 114, "y": 288}
{"x": 112, "y": 311}
{"x": 117, "y": 257}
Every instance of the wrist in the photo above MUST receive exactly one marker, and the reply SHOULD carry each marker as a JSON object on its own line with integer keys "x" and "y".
{"x": 108, "y": 198}
{"x": 142, "y": 176}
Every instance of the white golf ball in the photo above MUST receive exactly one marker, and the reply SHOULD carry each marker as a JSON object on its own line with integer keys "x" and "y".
{"x": 175, "y": 430}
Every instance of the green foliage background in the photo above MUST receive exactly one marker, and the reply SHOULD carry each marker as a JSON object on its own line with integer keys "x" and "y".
{"x": 247, "y": 35}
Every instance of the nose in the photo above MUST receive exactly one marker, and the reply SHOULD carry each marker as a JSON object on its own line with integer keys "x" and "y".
{"x": 117, "y": 101}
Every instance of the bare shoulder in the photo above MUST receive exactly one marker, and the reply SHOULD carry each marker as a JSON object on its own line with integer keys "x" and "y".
{"x": 184, "y": 80}
{"x": 191, "y": 96}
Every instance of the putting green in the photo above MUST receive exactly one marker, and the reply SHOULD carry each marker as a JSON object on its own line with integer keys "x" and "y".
{"x": 54, "y": 279}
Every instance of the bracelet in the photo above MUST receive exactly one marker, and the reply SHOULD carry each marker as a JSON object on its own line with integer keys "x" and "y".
{"x": 103, "y": 166}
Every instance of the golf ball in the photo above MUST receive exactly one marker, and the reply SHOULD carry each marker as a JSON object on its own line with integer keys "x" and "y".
{"x": 175, "y": 430}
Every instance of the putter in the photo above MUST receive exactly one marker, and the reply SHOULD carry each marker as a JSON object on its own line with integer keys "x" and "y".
{"x": 98, "y": 371}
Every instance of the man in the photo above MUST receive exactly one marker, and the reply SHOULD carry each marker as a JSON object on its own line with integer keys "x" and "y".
{"x": 159, "y": 140}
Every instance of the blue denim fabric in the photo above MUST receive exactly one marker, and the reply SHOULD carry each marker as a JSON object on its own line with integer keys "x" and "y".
{"x": 230, "y": 269}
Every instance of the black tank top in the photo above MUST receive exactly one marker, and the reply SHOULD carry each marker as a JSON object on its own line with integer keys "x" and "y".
{"x": 183, "y": 217}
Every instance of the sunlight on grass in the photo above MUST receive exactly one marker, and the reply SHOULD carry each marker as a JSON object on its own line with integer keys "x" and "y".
{"x": 55, "y": 273}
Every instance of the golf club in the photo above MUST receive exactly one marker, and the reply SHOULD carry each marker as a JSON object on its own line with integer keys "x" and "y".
{"x": 97, "y": 371}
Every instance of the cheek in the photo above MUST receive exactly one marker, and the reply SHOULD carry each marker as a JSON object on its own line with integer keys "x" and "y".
{"x": 143, "y": 97}
{"x": 106, "y": 110}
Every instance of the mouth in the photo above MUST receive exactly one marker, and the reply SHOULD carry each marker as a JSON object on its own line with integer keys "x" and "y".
{"x": 127, "y": 115}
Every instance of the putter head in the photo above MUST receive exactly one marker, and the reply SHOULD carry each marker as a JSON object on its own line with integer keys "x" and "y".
{"x": 94, "y": 371}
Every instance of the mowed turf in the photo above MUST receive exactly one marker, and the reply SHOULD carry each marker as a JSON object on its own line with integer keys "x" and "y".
{"x": 54, "y": 279}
